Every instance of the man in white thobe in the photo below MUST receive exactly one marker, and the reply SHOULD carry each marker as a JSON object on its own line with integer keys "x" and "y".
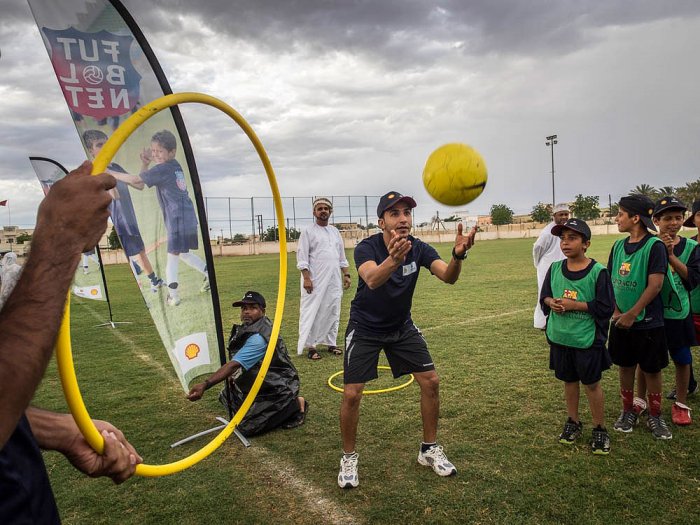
{"x": 545, "y": 251}
{"x": 321, "y": 259}
{"x": 9, "y": 275}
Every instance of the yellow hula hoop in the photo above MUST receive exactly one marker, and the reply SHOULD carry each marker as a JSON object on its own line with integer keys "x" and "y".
{"x": 369, "y": 392}
{"x": 63, "y": 344}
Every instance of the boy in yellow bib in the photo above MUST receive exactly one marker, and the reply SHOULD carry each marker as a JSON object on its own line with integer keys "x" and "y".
{"x": 577, "y": 297}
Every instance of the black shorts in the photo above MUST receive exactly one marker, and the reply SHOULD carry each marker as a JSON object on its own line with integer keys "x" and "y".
{"x": 405, "y": 349}
{"x": 132, "y": 244}
{"x": 646, "y": 348}
{"x": 578, "y": 364}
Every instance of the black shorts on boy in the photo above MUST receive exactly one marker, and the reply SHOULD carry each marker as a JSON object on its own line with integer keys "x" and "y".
{"x": 646, "y": 348}
{"x": 578, "y": 364}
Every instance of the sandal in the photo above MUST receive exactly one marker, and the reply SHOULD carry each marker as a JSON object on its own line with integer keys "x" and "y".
{"x": 313, "y": 354}
{"x": 335, "y": 350}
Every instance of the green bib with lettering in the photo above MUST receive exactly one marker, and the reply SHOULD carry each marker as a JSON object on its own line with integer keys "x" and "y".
{"x": 575, "y": 329}
{"x": 629, "y": 274}
{"x": 676, "y": 300}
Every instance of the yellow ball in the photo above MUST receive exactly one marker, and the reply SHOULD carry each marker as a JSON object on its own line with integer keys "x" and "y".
{"x": 455, "y": 174}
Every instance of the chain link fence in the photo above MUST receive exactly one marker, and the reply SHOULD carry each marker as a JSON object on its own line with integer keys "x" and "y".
{"x": 237, "y": 219}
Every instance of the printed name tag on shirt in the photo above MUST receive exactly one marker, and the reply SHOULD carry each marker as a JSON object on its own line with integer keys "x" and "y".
{"x": 408, "y": 269}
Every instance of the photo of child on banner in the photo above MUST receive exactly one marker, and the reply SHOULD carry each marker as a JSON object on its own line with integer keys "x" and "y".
{"x": 106, "y": 73}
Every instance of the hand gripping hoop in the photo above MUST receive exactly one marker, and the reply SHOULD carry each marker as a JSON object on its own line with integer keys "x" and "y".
{"x": 64, "y": 354}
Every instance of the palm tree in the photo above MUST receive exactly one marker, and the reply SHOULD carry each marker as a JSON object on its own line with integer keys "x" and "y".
{"x": 666, "y": 190}
{"x": 689, "y": 193}
{"x": 644, "y": 189}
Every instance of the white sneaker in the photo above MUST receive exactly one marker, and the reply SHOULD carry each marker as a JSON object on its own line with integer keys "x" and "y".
{"x": 347, "y": 477}
{"x": 434, "y": 457}
{"x": 205, "y": 285}
{"x": 156, "y": 285}
{"x": 173, "y": 298}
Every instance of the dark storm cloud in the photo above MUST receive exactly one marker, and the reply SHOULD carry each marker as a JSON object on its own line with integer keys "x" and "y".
{"x": 403, "y": 31}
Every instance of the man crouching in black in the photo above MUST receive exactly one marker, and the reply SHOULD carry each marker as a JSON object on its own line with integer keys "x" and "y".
{"x": 278, "y": 404}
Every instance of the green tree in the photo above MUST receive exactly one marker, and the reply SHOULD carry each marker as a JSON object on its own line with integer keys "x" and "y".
{"x": 272, "y": 234}
{"x": 689, "y": 193}
{"x": 541, "y": 212}
{"x": 501, "y": 214}
{"x": 585, "y": 208}
{"x": 240, "y": 237}
{"x": 113, "y": 240}
{"x": 22, "y": 238}
{"x": 666, "y": 190}
{"x": 642, "y": 189}
{"x": 614, "y": 210}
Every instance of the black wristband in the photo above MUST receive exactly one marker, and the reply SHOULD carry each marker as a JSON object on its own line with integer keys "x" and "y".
{"x": 207, "y": 384}
{"x": 458, "y": 257}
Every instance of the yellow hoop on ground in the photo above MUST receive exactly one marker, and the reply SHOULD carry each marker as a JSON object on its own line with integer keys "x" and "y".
{"x": 369, "y": 392}
{"x": 64, "y": 354}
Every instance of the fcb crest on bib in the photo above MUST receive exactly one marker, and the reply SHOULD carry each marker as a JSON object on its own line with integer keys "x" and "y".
{"x": 625, "y": 269}
{"x": 570, "y": 294}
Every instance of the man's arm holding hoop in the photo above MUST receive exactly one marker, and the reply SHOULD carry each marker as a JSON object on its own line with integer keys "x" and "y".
{"x": 71, "y": 220}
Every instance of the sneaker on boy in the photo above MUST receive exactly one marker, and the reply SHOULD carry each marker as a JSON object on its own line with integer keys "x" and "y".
{"x": 435, "y": 457}
{"x": 626, "y": 422}
{"x": 639, "y": 406}
{"x": 658, "y": 427}
{"x": 572, "y": 431}
{"x": 347, "y": 477}
{"x": 600, "y": 442}
{"x": 680, "y": 414}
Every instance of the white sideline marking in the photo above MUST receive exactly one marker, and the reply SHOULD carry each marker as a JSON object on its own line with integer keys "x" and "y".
{"x": 275, "y": 466}
{"x": 476, "y": 319}
{"x": 327, "y": 510}
{"x": 142, "y": 356}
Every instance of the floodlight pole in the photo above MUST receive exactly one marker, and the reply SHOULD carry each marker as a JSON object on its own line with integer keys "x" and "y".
{"x": 551, "y": 141}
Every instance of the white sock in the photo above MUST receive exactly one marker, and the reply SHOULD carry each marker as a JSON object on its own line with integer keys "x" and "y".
{"x": 171, "y": 268}
{"x": 194, "y": 261}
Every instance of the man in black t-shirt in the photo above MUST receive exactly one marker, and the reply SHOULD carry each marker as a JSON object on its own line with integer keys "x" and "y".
{"x": 388, "y": 264}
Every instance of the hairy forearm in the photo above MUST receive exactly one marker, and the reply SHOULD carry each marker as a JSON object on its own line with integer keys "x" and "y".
{"x": 28, "y": 326}
{"x": 52, "y": 431}
{"x": 454, "y": 268}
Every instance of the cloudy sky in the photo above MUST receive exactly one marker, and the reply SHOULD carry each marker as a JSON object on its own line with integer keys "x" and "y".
{"x": 350, "y": 97}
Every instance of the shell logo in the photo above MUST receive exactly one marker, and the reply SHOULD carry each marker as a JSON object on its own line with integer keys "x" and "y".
{"x": 192, "y": 351}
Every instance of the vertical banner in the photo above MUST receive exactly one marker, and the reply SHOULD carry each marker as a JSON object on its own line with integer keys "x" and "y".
{"x": 88, "y": 282}
{"x": 106, "y": 71}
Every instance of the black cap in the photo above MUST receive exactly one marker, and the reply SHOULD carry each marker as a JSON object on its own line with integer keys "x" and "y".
{"x": 390, "y": 199}
{"x": 577, "y": 225}
{"x": 669, "y": 202}
{"x": 251, "y": 298}
{"x": 690, "y": 221}
{"x": 642, "y": 206}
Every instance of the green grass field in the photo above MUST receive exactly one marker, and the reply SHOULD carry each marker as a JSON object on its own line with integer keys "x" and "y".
{"x": 502, "y": 411}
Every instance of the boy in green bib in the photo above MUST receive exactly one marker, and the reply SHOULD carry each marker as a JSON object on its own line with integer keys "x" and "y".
{"x": 577, "y": 297}
{"x": 692, "y": 222}
{"x": 638, "y": 266}
{"x": 684, "y": 264}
